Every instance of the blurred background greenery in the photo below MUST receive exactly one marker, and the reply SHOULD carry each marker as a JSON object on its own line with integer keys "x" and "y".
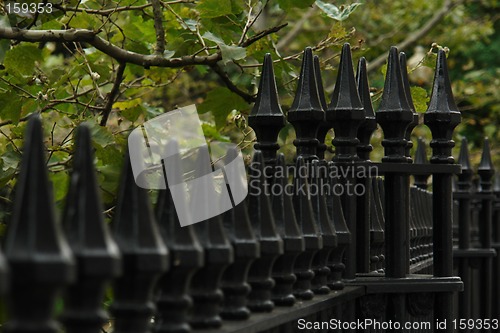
{"x": 71, "y": 82}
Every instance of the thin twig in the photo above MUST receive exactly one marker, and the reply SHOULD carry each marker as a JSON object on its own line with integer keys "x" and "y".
{"x": 230, "y": 85}
{"x": 113, "y": 94}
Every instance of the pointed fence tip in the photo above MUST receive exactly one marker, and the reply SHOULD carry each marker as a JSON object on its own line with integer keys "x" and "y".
{"x": 394, "y": 96}
{"x": 364, "y": 88}
{"x": 442, "y": 99}
{"x": 486, "y": 162}
{"x": 406, "y": 81}
{"x": 345, "y": 94}
{"x": 306, "y": 102}
{"x": 267, "y": 102}
{"x": 463, "y": 157}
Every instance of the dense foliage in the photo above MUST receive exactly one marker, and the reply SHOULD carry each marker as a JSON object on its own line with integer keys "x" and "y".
{"x": 115, "y": 64}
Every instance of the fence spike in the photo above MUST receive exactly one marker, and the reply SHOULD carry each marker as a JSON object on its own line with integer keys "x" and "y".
{"x": 369, "y": 125}
{"x": 465, "y": 177}
{"x": 290, "y": 232}
{"x": 324, "y": 126}
{"x": 414, "y": 123}
{"x": 246, "y": 250}
{"x": 486, "y": 170}
{"x": 186, "y": 256}
{"x": 465, "y": 204}
{"x": 345, "y": 112}
{"x": 144, "y": 256}
{"x": 442, "y": 115}
{"x": 306, "y": 112}
{"x": 271, "y": 244}
{"x": 266, "y": 117}
{"x": 96, "y": 253}
{"x": 394, "y": 114}
{"x": 39, "y": 258}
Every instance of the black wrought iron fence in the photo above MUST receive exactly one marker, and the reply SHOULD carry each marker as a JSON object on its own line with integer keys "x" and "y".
{"x": 314, "y": 258}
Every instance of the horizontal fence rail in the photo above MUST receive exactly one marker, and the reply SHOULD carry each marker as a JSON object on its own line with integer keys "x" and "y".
{"x": 315, "y": 244}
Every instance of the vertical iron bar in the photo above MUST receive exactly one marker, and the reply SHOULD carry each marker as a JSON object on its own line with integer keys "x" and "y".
{"x": 394, "y": 116}
{"x": 442, "y": 117}
{"x": 464, "y": 185}
{"x": 486, "y": 172}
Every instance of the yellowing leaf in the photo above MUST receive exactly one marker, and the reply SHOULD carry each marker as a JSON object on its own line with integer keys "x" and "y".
{"x": 127, "y": 104}
{"x": 420, "y": 98}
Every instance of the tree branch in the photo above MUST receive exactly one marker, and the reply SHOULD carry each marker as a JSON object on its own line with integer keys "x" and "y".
{"x": 417, "y": 35}
{"x": 158, "y": 24}
{"x": 249, "y": 41}
{"x": 230, "y": 85}
{"x": 121, "y": 55}
{"x": 113, "y": 94}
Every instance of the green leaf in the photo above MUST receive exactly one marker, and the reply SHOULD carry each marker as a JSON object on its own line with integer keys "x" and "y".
{"x": 10, "y": 159}
{"x": 100, "y": 134}
{"x": 286, "y": 5}
{"x": 221, "y": 102}
{"x": 420, "y": 98}
{"x": 11, "y": 107}
{"x": 211, "y": 132}
{"x": 230, "y": 53}
{"x": 214, "y": 8}
{"x": 213, "y": 38}
{"x": 21, "y": 59}
{"x": 60, "y": 184}
{"x": 335, "y": 12}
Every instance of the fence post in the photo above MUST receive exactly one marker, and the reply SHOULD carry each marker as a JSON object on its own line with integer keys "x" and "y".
{"x": 246, "y": 250}
{"x": 293, "y": 241}
{"x": 365, "y": 131}
{"x": 409, "y": 145}
{"x": 144, "y": 256}
{"x": 442, "y": 117}
{"x": 486, "y": 172}
{"x": 39, "y": 258}
{"x": 186, "y": 257}
{"x": 271, "y": 244}
{"x": 305, "y": 114}
{"x": 394, "y": 116}
{"x": 345, "y": 114}
{"x": 205, "y": 284}
{"x": 463, "y": 195}
{"x": 337, "y": 267}
{"x": 97, "y": 255}
{"x": 495, "y": 311}
{"x": 321, "y": 213}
